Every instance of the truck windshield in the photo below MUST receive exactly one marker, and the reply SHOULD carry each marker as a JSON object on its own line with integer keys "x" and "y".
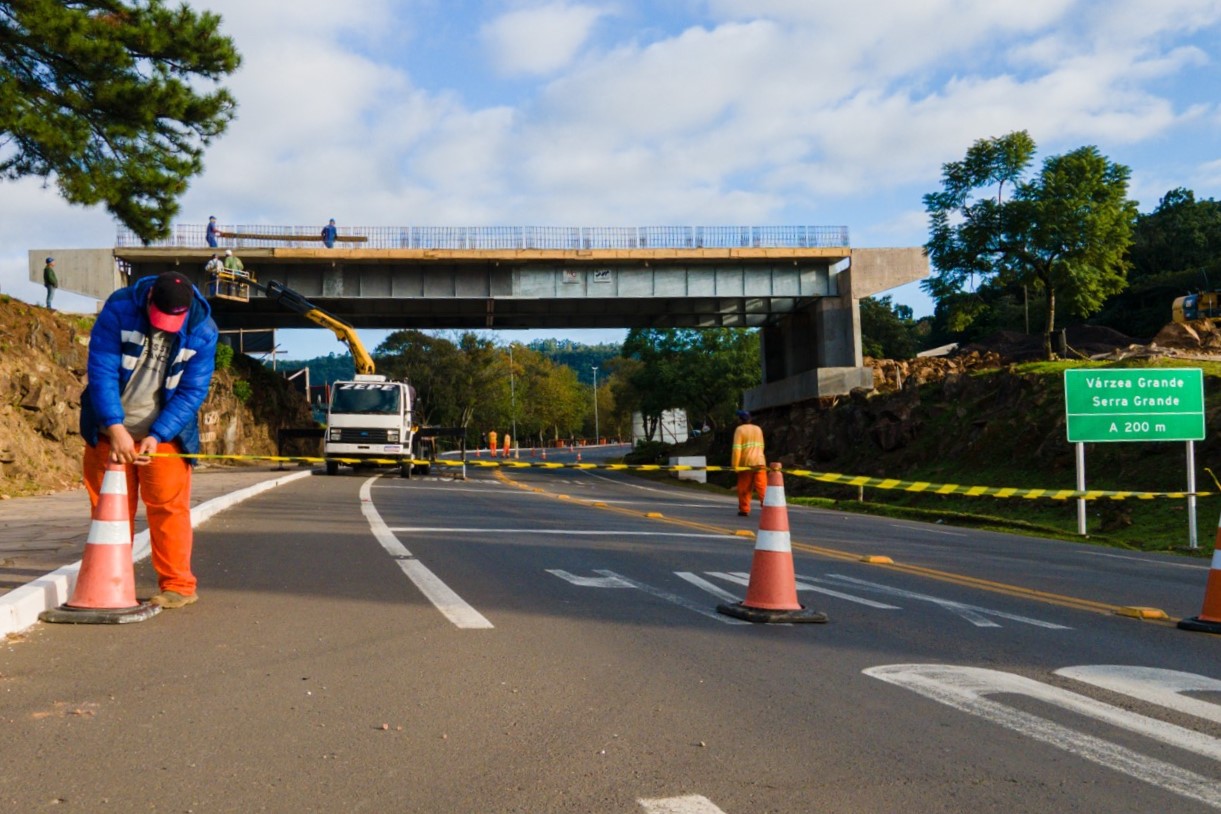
{"x": 365, "y": 398}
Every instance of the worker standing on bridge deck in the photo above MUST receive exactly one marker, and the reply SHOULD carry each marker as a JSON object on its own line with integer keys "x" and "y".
{"x": 213, "y": 232}
{"x": 329, "y": 234}
{"x": 748, "y": 451}
{"x": 151, "y": 356}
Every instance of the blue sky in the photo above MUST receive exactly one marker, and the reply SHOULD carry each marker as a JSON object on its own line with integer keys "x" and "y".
{"x": 634, "y": 113}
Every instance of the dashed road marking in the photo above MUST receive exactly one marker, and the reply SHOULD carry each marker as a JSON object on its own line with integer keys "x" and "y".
{"x": 443, "y": 598}
{"x": 972, "y": 613}
{"x": 691, "y": 804}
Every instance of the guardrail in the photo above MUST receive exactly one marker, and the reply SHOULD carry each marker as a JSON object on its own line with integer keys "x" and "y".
{"x": 557, "y": 238}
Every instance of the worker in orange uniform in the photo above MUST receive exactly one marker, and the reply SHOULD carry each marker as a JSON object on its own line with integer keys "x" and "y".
{"x": 151, "y": 355}
{"x": 492, "y": 448}
{"x": 748, "y": 451}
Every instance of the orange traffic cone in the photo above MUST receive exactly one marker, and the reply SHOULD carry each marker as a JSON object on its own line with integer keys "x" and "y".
{"x": 771, "y": 595}
{"x": 105, "y": 590}
{"x": 1209, "y": 620}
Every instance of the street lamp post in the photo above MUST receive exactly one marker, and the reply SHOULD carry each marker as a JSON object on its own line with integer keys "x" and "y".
{"x": 597, "y": 435}
{"x": 513, "y": 402}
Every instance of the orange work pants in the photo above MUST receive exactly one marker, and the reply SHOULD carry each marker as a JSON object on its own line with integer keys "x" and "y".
{"x": 755, "y": 480}
{"x": 165, "y": 486}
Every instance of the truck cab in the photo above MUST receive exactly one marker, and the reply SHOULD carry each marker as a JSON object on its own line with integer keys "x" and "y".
{"x": 370, "y": 418}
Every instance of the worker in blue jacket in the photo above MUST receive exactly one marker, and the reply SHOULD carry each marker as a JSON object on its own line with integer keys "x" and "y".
{"x": 152, "y": 352}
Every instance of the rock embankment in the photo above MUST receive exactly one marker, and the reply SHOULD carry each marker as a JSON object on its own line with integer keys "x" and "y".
{"x": 43, "y": 357}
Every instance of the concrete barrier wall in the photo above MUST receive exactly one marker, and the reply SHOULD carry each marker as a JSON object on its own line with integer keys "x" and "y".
{"x": 90, "y": 272}
{"x": 699, "y": 475}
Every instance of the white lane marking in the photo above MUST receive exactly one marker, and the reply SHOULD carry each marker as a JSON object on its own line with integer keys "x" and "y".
{"x": 740, "y": 578}
{"x": 703, "y": 584}
{"x": 1149, "y": 561}
{"x": 928, "y": 530}
{"x": 588, "y": 582}
{"x": 499, "y": 490}
{"x": 691, "y": 804}
{"x": 964, "y": 688}
{"x": 1152, "y": 684}
{"x": 443, "y": 598}
{"x": 622, "y": 482}
{"x": 612, "y": 580}
{"x": 971, "y": 613}
{"x": 567, "y": 532}
{"x": 676, "y": 599}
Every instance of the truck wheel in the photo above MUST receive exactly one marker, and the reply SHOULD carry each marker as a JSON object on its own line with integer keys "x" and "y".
{"x": 405, "y": 470}
{"x": 332, "y": 467}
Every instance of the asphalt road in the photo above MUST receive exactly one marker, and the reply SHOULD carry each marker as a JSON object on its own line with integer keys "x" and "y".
{"x": 533, "y": 641}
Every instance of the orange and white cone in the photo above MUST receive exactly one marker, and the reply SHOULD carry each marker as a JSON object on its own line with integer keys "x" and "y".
{"x": 105, "y": 591}
{"x": 771, "y": 595}
{"x": 1209, "y": 620}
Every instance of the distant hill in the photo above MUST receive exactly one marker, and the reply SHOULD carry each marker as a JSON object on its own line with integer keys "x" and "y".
{"x": 581, "y": 358}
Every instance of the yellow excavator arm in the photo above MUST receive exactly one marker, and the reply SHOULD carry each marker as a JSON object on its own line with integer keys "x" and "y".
{"x": 343, "y": 331}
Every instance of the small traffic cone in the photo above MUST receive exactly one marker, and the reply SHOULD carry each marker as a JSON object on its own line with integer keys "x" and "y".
{"x": 105, "y": 592}
{"x": 1209, "y": 620}
{"x": 771, "y": 595}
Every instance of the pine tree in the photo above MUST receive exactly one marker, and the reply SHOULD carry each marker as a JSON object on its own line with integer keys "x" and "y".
{"x": 108, "y": 100}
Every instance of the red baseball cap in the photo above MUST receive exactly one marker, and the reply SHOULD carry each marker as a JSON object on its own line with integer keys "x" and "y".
{"x": 170, "y": 301}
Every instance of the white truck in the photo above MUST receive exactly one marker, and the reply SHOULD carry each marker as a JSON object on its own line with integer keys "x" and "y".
{"x": 370, "y": 418}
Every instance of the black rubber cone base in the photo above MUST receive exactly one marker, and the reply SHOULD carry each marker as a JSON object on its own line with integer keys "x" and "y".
{"x": 1200, "y": 625}
{"x": 776, "y": 617}
{"x": 66, "y": 614}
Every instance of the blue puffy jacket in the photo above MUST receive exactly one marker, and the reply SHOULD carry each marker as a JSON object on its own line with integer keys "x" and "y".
{"x": 115, "y": 346}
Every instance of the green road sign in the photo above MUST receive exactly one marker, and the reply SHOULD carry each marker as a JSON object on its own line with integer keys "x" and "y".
{"x": 1134, "y": 404}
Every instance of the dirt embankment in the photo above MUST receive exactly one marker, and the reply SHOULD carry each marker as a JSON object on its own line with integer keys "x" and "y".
{"x": 43, "y": 357}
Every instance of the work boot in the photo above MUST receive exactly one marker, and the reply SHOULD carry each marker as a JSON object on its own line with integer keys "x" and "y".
{"x": 173, "y": 599}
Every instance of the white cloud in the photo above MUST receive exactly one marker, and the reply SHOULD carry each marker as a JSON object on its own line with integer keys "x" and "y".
{"x": 540, "y": 40}
{"x": 748, "y": 111}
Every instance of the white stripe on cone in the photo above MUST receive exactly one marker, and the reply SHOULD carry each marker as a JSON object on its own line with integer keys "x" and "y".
{"x": 774, "y": 496}
{"x": 109, "y": 532}
{"x": 778, "y": 541}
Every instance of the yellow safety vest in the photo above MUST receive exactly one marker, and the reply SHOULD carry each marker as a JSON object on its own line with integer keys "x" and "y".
{"x": 748, "y": 446}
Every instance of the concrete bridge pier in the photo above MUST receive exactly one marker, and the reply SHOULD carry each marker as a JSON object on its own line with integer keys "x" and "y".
{"x": 815, "y": 351}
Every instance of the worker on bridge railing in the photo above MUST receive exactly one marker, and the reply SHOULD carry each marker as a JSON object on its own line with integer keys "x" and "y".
{"x": 329, "y": 233}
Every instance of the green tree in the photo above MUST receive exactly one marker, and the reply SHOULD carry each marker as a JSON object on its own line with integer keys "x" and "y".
{"x": 1176, "y": 250}
{"x": 108, "y": 98}
{"x": 888, "y": 330}
{"x": 703, "y": 371}
{"x": 1064, "y": 233}
{"x": 550, "y": 400}
{"x": 459, "y": 383}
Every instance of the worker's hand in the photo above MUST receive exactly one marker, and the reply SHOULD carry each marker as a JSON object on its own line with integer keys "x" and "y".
{"x": 122, "y": 445}
{"x": 146, "y": 446}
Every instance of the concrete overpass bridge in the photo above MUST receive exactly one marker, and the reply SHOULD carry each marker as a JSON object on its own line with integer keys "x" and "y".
{"x": 800, "y": 285}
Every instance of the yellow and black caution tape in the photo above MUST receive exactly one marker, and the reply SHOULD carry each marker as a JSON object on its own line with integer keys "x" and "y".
{"x": 863, "y": 481}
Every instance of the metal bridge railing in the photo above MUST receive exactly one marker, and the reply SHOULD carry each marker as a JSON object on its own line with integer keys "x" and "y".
{"x": 558, "y": 238}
